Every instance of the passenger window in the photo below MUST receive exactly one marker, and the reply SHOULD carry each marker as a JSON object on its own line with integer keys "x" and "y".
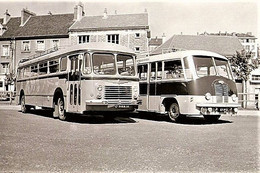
{"x": 27, "y": 72}
{"x": 173, "y": 70}
{"x": 43, "y": 68}
{"x": 63, "y": 64}
{"x": 142, "y": 72}
{"x": 34, "y": 70}
{"x": 159, "y": 70}
{"x": 153, "y": 70}
{"x": 54, "y": 66}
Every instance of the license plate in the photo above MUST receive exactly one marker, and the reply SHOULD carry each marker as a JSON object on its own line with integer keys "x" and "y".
{"x": 122, "y": 106}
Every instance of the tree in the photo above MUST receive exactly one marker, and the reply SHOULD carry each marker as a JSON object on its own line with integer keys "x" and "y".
{"x": 242, "y": 66}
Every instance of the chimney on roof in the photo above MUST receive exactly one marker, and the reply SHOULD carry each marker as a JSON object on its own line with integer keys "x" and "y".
{"x": 78, "y": 12}
{"x": 249, "y": 33}
{"x": 105, "y": 14}
{"x": 7, "y": 17}
{"x": 163, "y": 38}
{"x": 25, "y": 15}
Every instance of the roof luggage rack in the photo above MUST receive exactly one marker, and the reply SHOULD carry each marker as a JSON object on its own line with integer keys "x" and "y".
{"x": 48, "y": 51}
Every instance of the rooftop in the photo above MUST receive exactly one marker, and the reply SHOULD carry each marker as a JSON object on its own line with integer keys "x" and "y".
{"x": 117, "y": 21}
{"x": 223, "y": 45}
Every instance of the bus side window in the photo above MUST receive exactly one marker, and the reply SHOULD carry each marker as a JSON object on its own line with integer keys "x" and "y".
{"x": 153, "y": 70}
{"x": 142, "y": 72}
{"x": 54, "y": 66}
{"x": 173, "y": 70}
{"x": 63, "y": 64}
{"x": 34, "y": 70}
{"x": 159, "y": 70}
{"x": 27, "y": 72}
{"x": 43, "y": 68}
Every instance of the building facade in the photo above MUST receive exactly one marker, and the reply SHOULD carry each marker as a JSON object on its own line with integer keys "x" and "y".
{"x": 130, "y": 30}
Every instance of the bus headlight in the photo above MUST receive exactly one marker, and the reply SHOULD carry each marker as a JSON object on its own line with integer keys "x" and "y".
{"x": 234, "y": 97}
{"x": 207, "y": 96}
{"x": 99, "y": 88}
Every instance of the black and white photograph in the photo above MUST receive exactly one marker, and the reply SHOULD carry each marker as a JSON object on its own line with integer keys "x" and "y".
{"x": 129, "y": 86}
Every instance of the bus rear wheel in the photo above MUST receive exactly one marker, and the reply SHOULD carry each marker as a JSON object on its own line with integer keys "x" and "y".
{"x": 211, "y": 118}
{"x": 61, "y": 111}
{"x": 174, "y": 113}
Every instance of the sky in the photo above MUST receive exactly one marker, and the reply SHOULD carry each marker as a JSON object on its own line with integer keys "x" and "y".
{"x": 187, "y": 17}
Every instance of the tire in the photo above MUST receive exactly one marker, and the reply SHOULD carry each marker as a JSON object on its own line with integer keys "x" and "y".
{"x": 61, "y": 111}
{"x": 174, "y": 113}
{"x": 211, "y": 118}
{"x": 24, "y": 108}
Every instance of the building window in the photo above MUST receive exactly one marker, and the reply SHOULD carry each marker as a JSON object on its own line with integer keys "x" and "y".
{"x": 113, "y": 38}
{"x": 26, "y": 46}
{"x": 55, "y": 44}
{"x": 137, "y": 35}
{"x": 5, "y": 67}
{"x": 40, "y": 45}
{"x": 255, "y": 77}
{"x": 137, "y": 49}
{"x": 6, "y": 50}
{"x": 83, "y": 39}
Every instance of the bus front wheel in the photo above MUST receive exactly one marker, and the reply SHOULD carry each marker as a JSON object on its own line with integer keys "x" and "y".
{"x": 174, "y": 113}
{"x": 61, "y": 111}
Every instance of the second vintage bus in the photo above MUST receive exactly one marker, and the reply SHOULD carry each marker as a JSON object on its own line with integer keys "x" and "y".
{"x": 187, "y": 83}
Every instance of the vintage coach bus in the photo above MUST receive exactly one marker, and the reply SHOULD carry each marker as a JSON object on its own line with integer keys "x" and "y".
{"x": 187, "y": 83}
{"x": 86, "y": 78}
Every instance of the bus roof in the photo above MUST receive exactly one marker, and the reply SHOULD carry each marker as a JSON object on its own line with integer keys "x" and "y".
{"x": 97, "y": 46}
{"x": 178, "y": 55}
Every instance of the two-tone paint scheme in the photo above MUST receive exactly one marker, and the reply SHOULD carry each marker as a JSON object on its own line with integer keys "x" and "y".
{"x": 81, "y": 90}
{"x": 209, "y": 96}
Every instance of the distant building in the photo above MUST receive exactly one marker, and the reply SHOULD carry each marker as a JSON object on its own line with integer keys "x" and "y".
{"x": 246, "y": 39}
{"x": 226, "y": 46}
{"x": 130, "y": 30}
{"x": 154, "y": 43}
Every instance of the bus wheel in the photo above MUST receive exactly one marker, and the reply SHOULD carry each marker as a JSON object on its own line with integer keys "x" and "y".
{"x": 211, "y": 118}
{"x": 24, "y": 107}
{"x": 61, "y": 111}
{"x": 174, "y": 112}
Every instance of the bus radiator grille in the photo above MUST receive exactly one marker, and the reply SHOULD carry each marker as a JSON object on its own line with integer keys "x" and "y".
{"x": 118, "y": 92}
{"x": 221, "y": 91}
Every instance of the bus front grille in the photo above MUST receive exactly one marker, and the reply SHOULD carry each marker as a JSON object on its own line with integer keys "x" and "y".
{"x": 118, "y": 92}
{"x": 221, "y": 91}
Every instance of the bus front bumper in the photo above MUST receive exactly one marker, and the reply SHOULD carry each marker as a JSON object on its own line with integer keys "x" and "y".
{"x": 112, "y": 105}
{"x": 218, "y": 108}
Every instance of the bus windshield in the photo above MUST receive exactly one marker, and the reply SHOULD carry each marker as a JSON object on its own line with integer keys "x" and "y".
{"x": 104, "y": 64}
{"x": 125, "y": 65}
{"x": 210, "y": 66}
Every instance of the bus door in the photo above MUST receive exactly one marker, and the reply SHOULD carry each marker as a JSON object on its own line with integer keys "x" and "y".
{"x": 74, "y": 88}
{"x": 143, "y": 86}
{"x": 154, "y": 83}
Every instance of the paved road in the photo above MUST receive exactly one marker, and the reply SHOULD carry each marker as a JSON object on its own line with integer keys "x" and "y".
{"x": 37, "y": 142}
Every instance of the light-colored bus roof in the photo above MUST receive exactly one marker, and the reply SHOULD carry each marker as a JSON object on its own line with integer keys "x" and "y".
{"x": 97, "y": 46}
{"x": 179, "y": 54}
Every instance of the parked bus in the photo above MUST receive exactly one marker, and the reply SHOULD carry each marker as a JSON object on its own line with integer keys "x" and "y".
{"x": 187, "y": 83}
{"x": 85, "y": 78}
